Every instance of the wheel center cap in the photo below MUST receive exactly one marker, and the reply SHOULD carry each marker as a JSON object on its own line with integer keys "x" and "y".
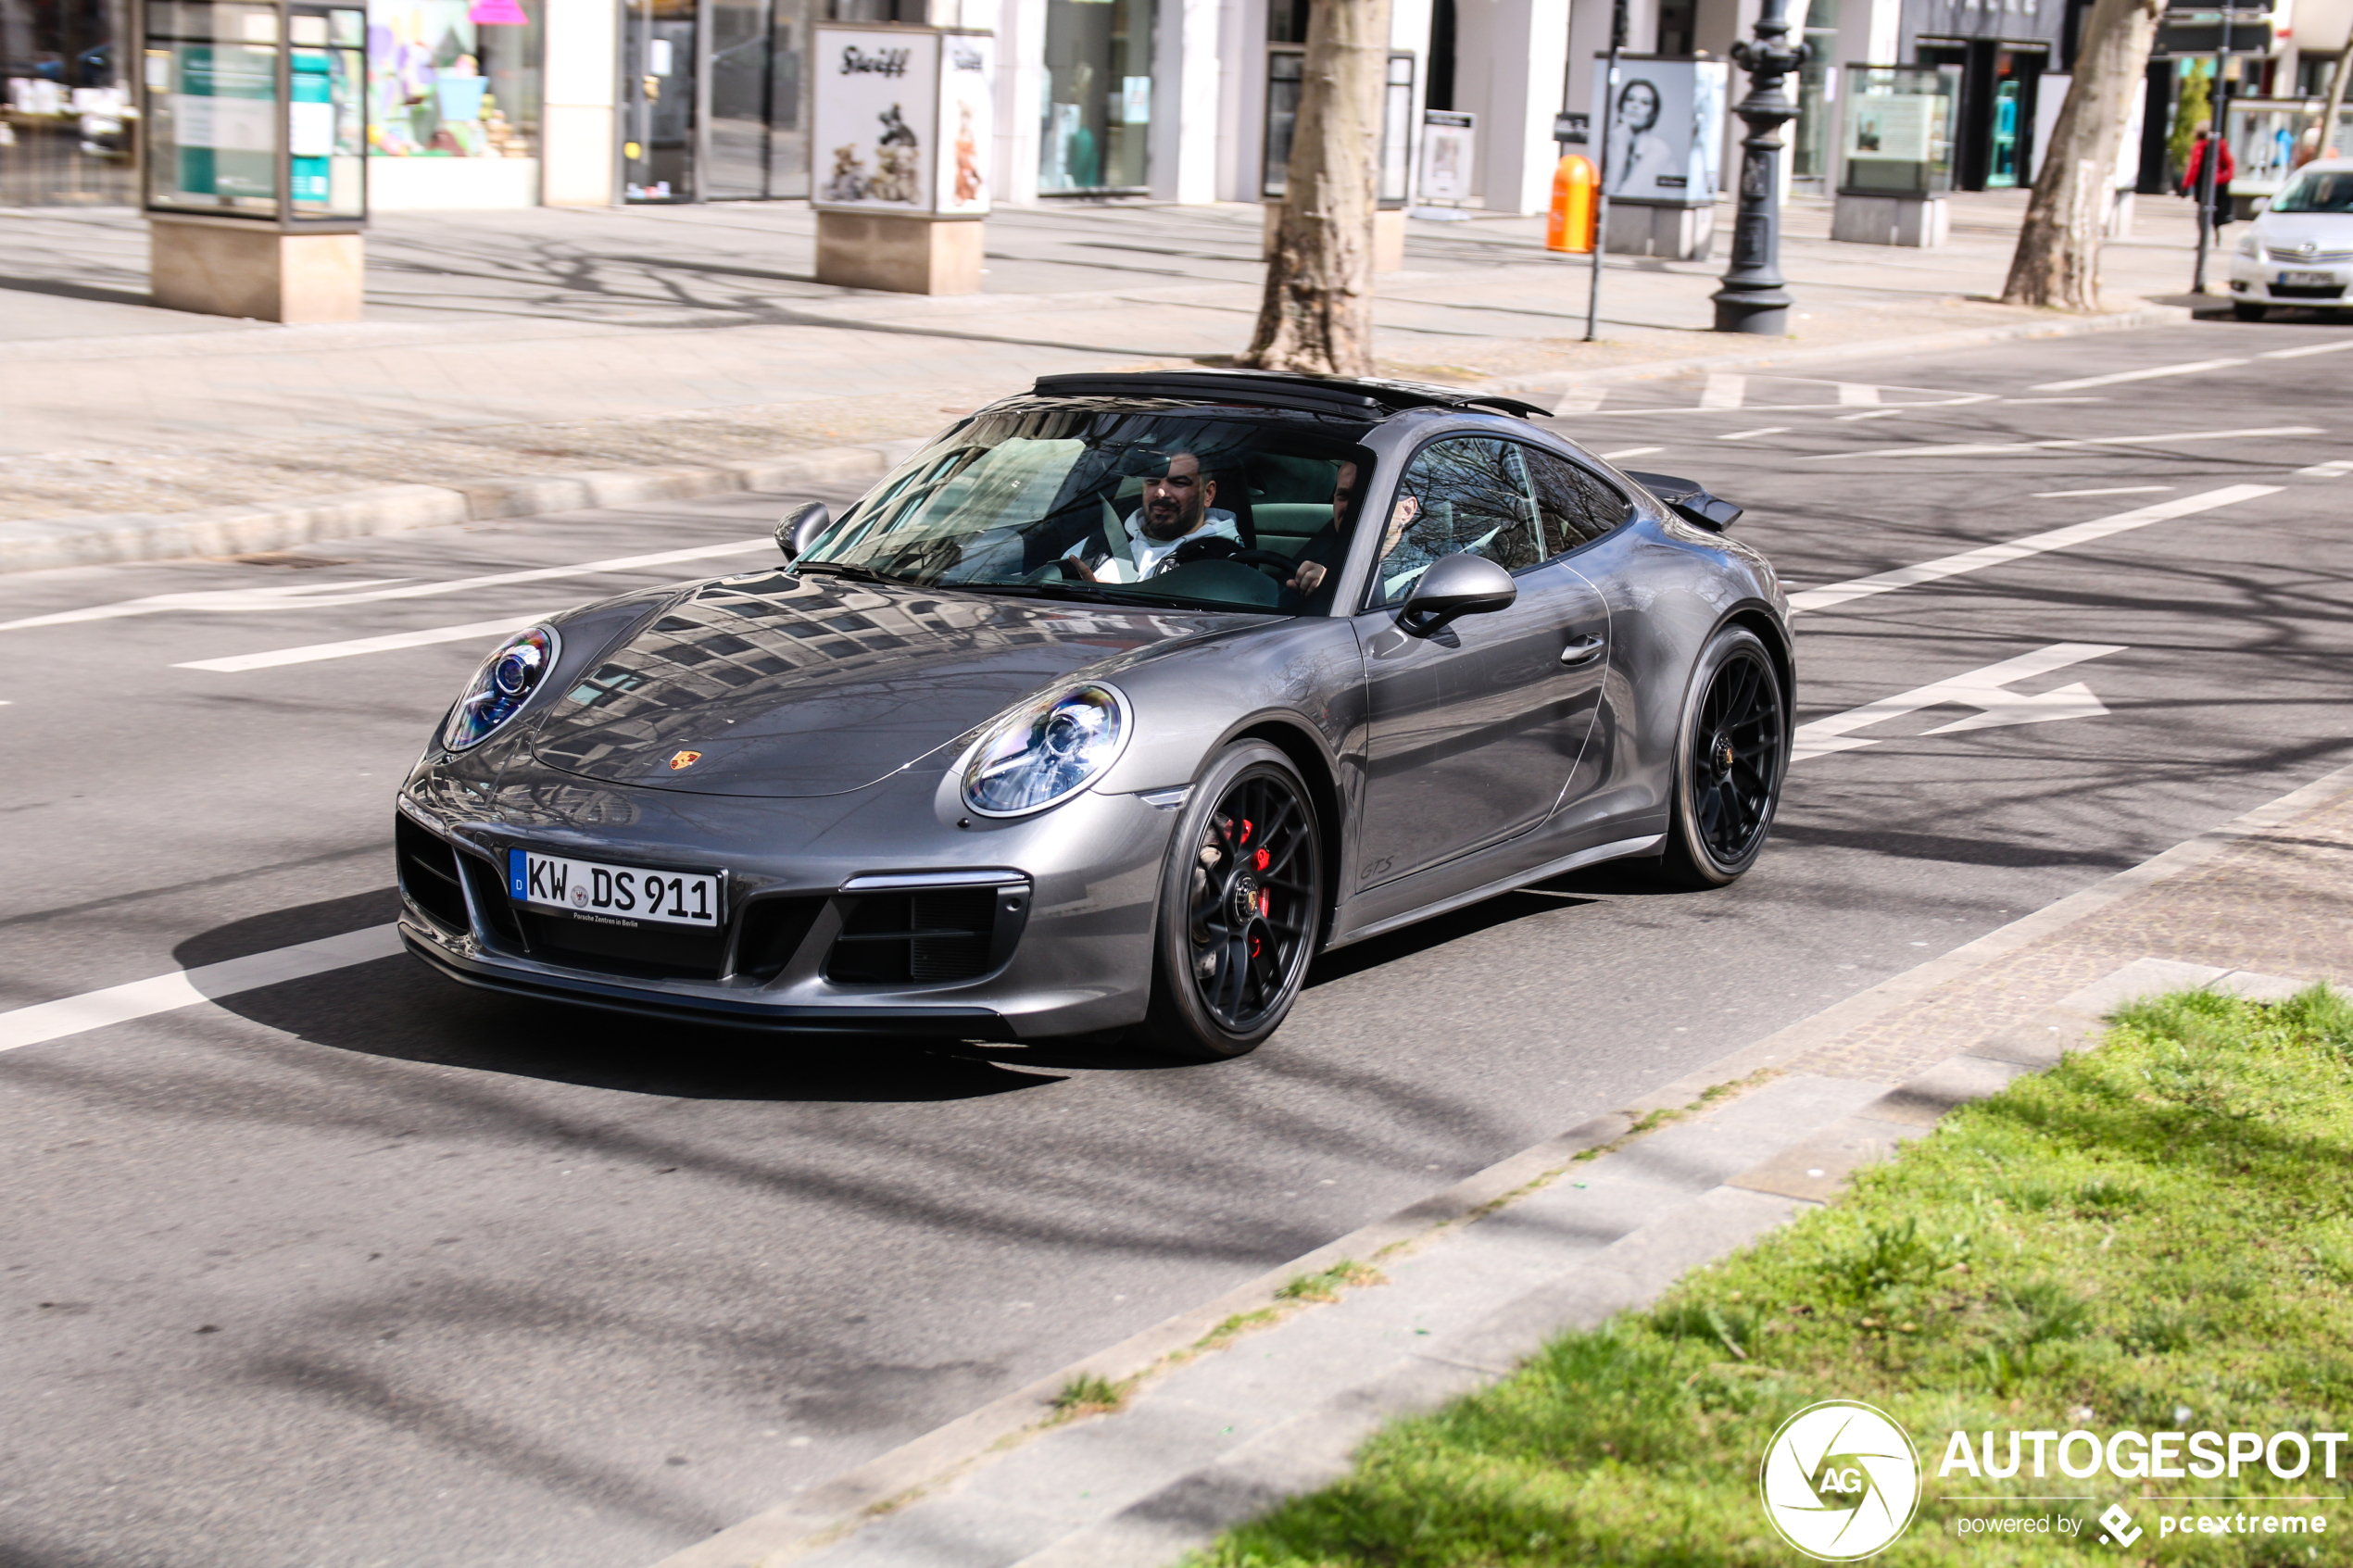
{"x": 1245, "y": 899}
{"x": 1720, "y": 752}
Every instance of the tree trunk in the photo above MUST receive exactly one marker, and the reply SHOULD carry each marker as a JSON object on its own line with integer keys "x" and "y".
{"x": 2057, "y": 260}
{"x": 2336, "y": 102}
{"x": 1317, "y": 312}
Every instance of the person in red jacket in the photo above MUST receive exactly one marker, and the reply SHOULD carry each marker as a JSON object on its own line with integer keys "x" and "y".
{"x": 2223, "y": 171}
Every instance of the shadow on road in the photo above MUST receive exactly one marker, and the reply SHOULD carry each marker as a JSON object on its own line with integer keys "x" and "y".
{"x": 398, "y": 1010}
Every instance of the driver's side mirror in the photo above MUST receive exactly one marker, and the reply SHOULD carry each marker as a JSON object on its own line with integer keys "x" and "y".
{"x": 801, "y": 528}
{"x": 1456, "y": 586}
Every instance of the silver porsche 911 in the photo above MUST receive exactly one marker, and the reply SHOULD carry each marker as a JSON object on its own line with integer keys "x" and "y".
{"x": 1102, "y": 715}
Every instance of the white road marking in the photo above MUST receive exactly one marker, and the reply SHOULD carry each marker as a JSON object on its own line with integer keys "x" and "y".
{"x": 316, "y": 651}
{"x": 1858, "y": 393}
{"x": 1630, "y": 452}
{"x": 1872, "y": 414}
{"x": 1981, "y": 450}
{"x": 1985, "y": 690}
{"x": 2033, "y": 544}
{"x": 2151, "y": 373}
{"x": 2308, "y": 348}
{"x": 2015, "y": 401}
{"x": 2109, "y": 490}
{"x": 1583, "y": 401}
{"x": 1723, "y": 391}
{"x": 168, "y": 993}
{"x": 2336, "y": 470}
{"x": 1744, "y": 434}
{"x": 317, "y": 595}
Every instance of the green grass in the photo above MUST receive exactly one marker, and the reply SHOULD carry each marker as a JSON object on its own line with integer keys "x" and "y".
{"x": 2154, "y": 1235}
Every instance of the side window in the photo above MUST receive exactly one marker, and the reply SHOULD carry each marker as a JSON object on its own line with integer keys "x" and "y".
{"x": 1573, "y": 506}
{"x": 1464, "y": 492}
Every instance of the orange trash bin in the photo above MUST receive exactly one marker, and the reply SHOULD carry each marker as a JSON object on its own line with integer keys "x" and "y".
{"x": 1569, "y": 226}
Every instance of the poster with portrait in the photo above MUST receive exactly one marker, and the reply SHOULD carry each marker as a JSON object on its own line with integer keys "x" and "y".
{"x": 1664, "y": 122}
{"x": 968, "y": 94}
{"x": 874, "y": 124}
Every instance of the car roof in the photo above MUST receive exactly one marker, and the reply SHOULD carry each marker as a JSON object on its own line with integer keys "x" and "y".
{"x": 1362, "y": 397}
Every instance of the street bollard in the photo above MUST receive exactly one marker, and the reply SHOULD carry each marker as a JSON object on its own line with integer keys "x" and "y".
{"x": 1569, "y": 224}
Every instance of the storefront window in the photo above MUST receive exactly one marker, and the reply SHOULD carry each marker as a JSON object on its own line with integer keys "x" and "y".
{"x": 68, "y": 125}
{"x": 1817, "y": 97}
{"x": 454, "y": 78}
{"x": 1098, "y": 98}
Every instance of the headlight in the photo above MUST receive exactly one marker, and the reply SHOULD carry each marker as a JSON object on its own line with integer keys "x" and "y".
{"x": 2247, "y": 245}
{"x": 501, "y": 687}
{"x": 1045, "y": 752}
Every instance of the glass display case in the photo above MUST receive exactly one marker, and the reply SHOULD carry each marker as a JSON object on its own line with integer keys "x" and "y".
{"x": 257, "y": 110}
{"x": 2271, "y": 138}
{"x": 1897, "y": 130}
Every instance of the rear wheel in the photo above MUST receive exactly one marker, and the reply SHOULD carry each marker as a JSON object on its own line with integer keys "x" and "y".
{"x": 2246, "y": 311}
{"x": 1730, "y": 757}
{"x": 1241, "y": 905}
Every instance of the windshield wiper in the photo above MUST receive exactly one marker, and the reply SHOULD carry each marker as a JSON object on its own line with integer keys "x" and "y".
{"x": 1086, "y": 593}
{"x": 856, "y": 573}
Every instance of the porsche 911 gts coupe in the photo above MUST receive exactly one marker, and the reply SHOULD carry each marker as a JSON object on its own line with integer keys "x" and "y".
{"x": 1102, "y": 715}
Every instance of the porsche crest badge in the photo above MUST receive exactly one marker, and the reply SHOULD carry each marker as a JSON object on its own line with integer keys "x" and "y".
{"x": 685, "y": 760}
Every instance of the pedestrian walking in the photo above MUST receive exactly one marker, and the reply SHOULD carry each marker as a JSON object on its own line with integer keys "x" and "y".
{"x": 2225, "y": 169}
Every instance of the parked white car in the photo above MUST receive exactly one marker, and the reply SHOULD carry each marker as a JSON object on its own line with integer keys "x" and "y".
{"x": 2299, "y": 250}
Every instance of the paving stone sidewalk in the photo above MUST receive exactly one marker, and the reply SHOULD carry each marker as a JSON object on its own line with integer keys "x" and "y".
{"x": 1564, "y": 1236}
{"x": 545, "y": 342}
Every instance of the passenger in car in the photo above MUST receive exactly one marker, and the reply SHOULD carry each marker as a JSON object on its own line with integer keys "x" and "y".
{"x": 1322, "y": 552}
{"x": 1176, "y": 512}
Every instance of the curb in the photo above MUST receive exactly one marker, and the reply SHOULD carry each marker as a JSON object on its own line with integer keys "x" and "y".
{"x": 828, "y": 1512}
{"x": 121, "y": 537}
{"x": 395, "y": 508}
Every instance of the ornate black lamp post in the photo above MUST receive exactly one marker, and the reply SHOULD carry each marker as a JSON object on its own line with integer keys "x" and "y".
{"x": 1753, "y": 299}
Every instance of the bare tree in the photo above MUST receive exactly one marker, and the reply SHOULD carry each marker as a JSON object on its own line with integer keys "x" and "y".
{"x": 1317, "y": 312}
{"x": 2057, "y": 260}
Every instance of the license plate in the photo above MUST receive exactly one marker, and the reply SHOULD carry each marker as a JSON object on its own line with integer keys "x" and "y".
{"x": 2307, "y": 280}
{"x": 620, "y": 894}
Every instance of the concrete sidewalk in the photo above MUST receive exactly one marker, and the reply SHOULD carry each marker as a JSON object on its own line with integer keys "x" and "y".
{"x": 552, "y": 341}
{"x": 1225, "y": 1422}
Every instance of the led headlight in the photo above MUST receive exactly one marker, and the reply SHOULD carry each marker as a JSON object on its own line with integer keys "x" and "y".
{"x": 501, "y": 687}
{"x": 2248, "y": 244}
{"x": 1043, "y": 753}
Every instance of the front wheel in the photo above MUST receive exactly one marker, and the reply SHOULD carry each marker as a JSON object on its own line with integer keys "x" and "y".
{"x": 1241, "y": 905}
{"x": 1730, "y": 757}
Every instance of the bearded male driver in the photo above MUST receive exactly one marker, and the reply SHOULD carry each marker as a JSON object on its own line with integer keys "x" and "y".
{"x": 1176, "y": 512}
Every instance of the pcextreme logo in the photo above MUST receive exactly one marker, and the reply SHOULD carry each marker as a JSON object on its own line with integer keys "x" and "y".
{"x": 1840, "y": 1481}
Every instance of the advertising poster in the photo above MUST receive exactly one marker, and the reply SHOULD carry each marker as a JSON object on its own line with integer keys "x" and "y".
{"x": 1664, "y": 128}
{"x": 1889, "y": 127}
{"x": 1449, "y": 141}
{"x": 875, "y": 119}
{"x": 968, "y": 93}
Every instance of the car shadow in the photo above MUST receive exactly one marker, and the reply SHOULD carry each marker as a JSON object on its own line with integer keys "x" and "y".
{"x": 397, "y": 1010}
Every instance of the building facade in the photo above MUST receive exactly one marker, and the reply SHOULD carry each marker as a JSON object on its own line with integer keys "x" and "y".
{"x": 512, "y": 103}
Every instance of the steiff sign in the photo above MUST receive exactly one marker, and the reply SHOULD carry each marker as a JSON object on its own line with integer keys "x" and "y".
{"x": 901, "y": 120}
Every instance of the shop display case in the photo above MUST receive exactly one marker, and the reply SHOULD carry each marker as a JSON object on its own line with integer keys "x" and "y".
{"x": 1899, "y": 129}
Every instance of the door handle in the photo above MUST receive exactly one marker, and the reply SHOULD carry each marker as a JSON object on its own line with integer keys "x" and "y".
{"x": 1582, "y": 650}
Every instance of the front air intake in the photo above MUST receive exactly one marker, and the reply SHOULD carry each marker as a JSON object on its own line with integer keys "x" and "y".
{"x": 915, "y": 938}
{"x": 428, "y": 869}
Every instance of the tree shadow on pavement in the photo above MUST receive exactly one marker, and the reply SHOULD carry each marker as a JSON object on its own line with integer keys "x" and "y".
{"x": 398, "y": 1010}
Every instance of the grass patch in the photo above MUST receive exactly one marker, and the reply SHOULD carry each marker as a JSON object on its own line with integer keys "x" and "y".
{"x": 1089, "y": 1394}
{"x": 1327, "y": 1285}
{"x": 2157, "y": 1235}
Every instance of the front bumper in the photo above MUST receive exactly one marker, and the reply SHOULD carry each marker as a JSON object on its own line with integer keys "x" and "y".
{"x": 2256, "y": 282}
{"x": 1054, "y": 935}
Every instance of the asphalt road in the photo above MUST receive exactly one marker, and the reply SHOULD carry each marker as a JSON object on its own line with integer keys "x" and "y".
{"x": 367, "y": 1269}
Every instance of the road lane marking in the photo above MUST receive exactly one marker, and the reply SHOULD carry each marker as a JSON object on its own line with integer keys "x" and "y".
{"x": 1871, "y": 414}
{"x": 1856, "y": 393}
{"x": 2108, "y": 489}
{"x": 168, "y": 993}
{"x": 2151, "y": 373}
{"x": 1985, "y": 690}
{"x": 1723, "y": 391}
{"x": 1630, "y": 452}
{"x": 316, "y": 651}
{"x": 2307, "y": 348}
{"x": 2336, "y": 470}
{"x": 1990, "y": 449}
{"x": 316, "y": 596}
{"x": 1744, "y": 434}
{"x": 2015, "y": 550}
{"x": 2013, "y": 402}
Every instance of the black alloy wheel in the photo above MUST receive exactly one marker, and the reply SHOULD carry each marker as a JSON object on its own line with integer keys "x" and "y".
{"x": 1730, "y": 762}
{"x": 1242, "y": 905}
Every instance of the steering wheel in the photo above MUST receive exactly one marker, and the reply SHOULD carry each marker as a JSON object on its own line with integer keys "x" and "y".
{"x": 1274, "y": 560}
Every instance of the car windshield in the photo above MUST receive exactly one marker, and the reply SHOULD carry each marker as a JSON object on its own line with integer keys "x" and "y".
{"x": 1125, "y": 500}
{"x": 2317, "y": 191}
